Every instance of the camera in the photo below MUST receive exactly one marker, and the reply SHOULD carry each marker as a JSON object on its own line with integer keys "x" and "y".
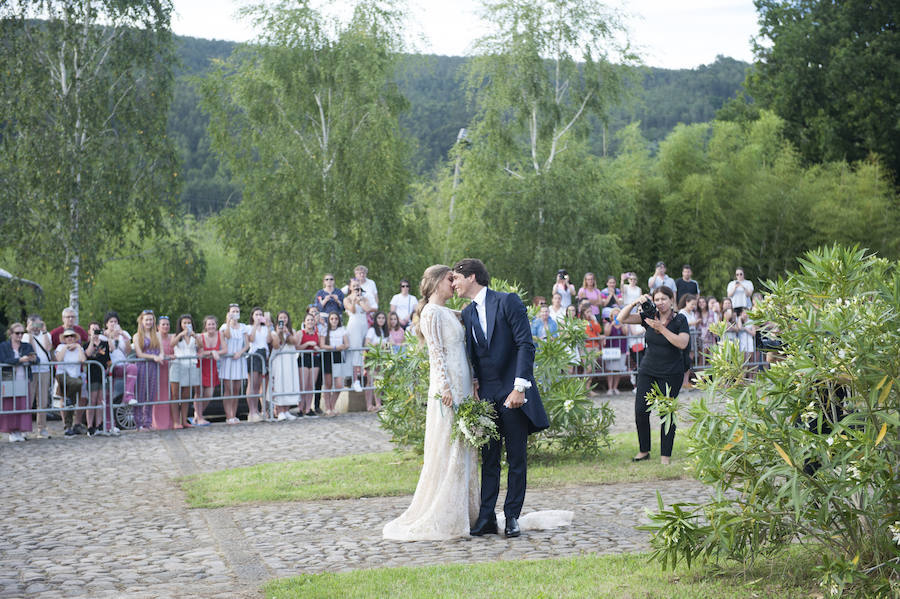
{"x": 767, "y": 343}
{"x": 562, "y": 273}
{"x": 280, "y": 324}
{"x": 648, "y": 310}
{"x": 189, "y": 328}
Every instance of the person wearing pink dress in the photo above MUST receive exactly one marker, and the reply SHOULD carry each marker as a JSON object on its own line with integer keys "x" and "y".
{"x": 17, "y": 357}
{"x": 162, "y": 412}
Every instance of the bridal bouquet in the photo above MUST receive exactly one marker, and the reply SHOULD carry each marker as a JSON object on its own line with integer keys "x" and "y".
{"x": 474, "y": 423}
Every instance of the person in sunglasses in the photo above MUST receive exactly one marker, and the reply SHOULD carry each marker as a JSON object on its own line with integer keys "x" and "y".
{"x": 16, "y": 358}
{"x": 404, "y": 304}
{"x": 329, "y": 300}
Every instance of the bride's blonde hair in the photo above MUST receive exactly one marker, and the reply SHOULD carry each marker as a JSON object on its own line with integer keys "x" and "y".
{"x": 431, "y": 278}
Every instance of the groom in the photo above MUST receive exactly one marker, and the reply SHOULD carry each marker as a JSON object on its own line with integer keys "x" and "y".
{"x": 500, "y": 348}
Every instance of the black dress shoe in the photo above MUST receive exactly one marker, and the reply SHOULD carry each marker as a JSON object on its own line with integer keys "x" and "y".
{"x": 512, "y": 528}
{"x": 646, "y": 457}
{"x": 484, "y": 526}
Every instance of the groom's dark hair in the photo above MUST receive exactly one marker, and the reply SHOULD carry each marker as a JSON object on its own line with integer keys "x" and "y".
{"x": 473, "y": 266}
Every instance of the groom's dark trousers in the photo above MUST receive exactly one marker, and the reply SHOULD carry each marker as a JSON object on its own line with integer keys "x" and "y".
{"x": 513, "y": 429}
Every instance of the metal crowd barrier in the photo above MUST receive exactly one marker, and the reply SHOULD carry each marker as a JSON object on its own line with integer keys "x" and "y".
{"x": 592, "y": 363}
{"x": 138, "y": 393}
{"x": 74, "y": 391}
{"x": 340, "y": 372}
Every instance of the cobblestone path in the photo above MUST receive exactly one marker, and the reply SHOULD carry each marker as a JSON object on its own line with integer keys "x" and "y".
{"x": 105, "y": 517}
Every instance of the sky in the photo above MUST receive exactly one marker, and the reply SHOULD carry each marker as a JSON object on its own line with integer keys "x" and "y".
{"x": 668, "y": 33}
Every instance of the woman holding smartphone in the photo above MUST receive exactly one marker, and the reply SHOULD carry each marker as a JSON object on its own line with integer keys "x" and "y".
{"x": 667, "y": 335}
{"x": 184, "y": 373}
{"x": 285, "y": 376}
{"x": 233, "y": 365}
{"x": 358, "y": 306}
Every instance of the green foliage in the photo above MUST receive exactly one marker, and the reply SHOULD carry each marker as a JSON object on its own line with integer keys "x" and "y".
{"x": 831, "y": 70}
{"x": 83, "y": 150}
{"x": 576, "y": 425}
{"x": 807, "y": 450}
{"x": 168, "y": 274}
{"x": 307, "y": 123}
{"x": 403, "y": 386}
{"x": 725, "y": 194}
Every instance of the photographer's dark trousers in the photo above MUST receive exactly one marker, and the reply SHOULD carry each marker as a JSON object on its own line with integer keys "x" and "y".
{"x": 642, "y": 416}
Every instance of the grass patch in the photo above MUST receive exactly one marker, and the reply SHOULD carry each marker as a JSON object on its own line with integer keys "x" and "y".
{"x": 620, "y": 576}
{"x": 393, "y": 473}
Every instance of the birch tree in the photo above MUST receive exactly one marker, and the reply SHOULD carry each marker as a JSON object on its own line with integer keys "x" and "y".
{"x": 85, "y": 91}
{"x": 306, "y": 120}
{"x": 529, "y": 197}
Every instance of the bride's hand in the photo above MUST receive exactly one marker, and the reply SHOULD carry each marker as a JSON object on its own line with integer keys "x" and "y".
{"x": 447, "y": 398}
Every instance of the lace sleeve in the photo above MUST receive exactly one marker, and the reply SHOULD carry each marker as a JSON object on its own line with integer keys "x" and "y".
{"x": 432, "y": 330}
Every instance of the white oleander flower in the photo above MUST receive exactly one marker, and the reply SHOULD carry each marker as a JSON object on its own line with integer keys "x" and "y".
{"x": 854, "y": 471}
{"x": 569, "y": 405}
{"x": 810, "y": 413}
{"x": 830, "y": 441}
{"x": 895, "y": 532}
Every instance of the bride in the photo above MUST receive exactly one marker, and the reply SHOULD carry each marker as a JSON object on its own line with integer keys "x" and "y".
{"x": 447, "y": 496}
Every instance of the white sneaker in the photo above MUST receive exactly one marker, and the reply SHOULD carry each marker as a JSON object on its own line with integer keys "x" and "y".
{"x": 114, "y": 432}
{"x": 356, "y": 386}
{"x": 132, "y": 402}
{"x": 281, "y": 417}
{"x": 288, "y": 416}
{"x": 19, "y": 436}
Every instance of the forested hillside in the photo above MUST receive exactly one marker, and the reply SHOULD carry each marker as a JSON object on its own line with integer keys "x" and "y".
{"x": 438, "y": 109}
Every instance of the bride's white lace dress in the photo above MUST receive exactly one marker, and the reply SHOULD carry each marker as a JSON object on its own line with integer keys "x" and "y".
{"x": 447, "y": 495}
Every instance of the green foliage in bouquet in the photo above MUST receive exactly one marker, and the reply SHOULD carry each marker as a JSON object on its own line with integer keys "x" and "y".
{"x": 576, "y": 425}
{"x": 473, "y": 423}
{"x": 808, "y": 450}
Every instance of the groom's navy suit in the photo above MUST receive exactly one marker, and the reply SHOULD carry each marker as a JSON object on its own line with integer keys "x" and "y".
{"x": 499, "y": 356}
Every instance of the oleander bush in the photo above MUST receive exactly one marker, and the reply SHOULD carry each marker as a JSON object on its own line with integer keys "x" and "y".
{"x": 576, "y": 424}
{"x": 806, "y": 451}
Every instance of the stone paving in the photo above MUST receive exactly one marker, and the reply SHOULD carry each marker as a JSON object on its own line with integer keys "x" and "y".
{"x": 105, "y": 517}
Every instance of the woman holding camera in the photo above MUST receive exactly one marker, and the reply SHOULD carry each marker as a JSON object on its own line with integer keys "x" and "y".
{"x": 667, "y": 335}
{"x": 357, "y": 305}
{"x": 564, "y": 288}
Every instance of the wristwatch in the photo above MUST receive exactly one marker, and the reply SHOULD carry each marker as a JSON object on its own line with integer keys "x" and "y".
{"x": 520, "y": 388}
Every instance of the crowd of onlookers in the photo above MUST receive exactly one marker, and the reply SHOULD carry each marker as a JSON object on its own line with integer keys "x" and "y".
{"x": 616, "y": 348}
{"x": 169, "y": 370}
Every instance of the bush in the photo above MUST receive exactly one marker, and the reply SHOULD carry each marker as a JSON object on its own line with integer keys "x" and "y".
{"x": 576, "y": 425}
{"x": 808, "y": 450}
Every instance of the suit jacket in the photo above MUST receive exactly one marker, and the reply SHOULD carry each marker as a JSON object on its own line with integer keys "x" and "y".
{"x": 507, "y": 354}
{"x": 7, "y": 357}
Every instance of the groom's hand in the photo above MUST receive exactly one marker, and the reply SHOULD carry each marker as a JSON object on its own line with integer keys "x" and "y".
{"x": 515, "y": 399}
{"x": 475, "y": 388}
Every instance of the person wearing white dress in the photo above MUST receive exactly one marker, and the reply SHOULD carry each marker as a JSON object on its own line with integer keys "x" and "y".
{"x": 184, "y": 372}
{"x": 285, "y": 375}
{"x": 447, "y": 497}
{"x": 233, "y": 366}
{"x": 357, "y": 304}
